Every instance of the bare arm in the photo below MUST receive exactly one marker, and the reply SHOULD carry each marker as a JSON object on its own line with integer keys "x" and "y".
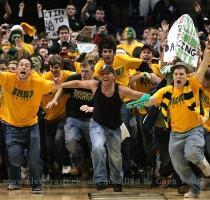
{"x": 39, "y": 10}
{"x": 152, "y": 102}
{"x": 8, "y": 11}
{"x": 54, "y": 101}
{"x": 204, "y": 63}
{"x": 151, "y": 76}
{"x": 19, "y": 48}
{"x": 165, "y": 29}
{"x": 135, "y": 78}
{"x": 84, "y": 12}
{"x": 21, "y": 9}
{"x": 127, "y": 92}
{"x": 86, "y": 84}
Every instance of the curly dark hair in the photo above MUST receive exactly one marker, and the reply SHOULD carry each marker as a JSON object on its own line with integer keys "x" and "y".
{"x": 107, "y": 43}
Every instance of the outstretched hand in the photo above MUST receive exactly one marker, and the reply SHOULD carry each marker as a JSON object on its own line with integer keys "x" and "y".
{"x": 139, "y": 103}
{"x": 51, "y": 104}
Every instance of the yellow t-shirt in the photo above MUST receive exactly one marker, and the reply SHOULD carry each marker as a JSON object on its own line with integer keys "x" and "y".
{"x": 59, "y": 110}
{"x": 182, "y": 119}
{"x": 144, "y": 84}
{"x": 28, "y": 47}
{"x": 1, "y": 100}
{"x": 121, "y": 65}
{"x": 130, "y": 47}
{"x": 22, "y": 98}
{"x": 205, "y": 95}
{"x": 156, "y": 70}
{"x": 77, "y": 66}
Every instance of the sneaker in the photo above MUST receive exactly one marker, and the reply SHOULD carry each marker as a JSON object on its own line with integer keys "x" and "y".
{"x": 66, "y": 169}
{"x": 14, "y": 187}
{"x": 117, "y": 187}
{"x": 183, "y": 189}
{"x": 101, "y": 186}
{"x": 190, "y": 194}
{"x": 37, "y": 190}
{"x": 205, "y": 167}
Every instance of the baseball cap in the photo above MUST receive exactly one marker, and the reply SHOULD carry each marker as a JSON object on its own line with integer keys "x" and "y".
{"x": 107, "y": 68}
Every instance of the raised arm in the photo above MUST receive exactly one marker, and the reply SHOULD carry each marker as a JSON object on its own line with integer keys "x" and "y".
{"x": 204, "y": 63}
{"x": 8, "y": 11}
{"x": 84, "y": 12}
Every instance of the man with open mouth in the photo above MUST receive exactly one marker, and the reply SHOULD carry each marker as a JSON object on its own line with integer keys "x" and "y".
{"x": 23, "y": 92}
{"x": 180, "y": 105}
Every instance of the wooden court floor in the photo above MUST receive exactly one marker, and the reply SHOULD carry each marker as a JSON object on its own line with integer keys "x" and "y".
{"x": 80, "y": 192}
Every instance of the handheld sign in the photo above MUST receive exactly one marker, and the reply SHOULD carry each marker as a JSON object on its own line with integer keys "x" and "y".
{"x": 183, "y": 42}
{"x": 53, "y": 19}
{"x": 84, "y": 39}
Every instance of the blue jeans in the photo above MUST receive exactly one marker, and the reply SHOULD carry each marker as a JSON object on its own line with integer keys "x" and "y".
{"x": 17, "y": 140}
{"x": 74, "y": 129}
{"x": 184, "y": 147}
{"x": 101, "y": 135}
{"x": 207, "y": 144}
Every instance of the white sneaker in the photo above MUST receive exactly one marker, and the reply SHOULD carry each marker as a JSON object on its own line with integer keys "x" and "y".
{"x": 66, "y": 169}
{"x": 190, "y": 194}
{"x": 205, "y": 167}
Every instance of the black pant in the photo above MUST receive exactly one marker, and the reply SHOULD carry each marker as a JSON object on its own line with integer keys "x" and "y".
{"x": 162, "y": 138}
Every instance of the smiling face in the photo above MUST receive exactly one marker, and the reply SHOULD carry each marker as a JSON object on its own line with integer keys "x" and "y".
{"x": 107, "y": 78}
{"x": 179, "y": 77}
{"x": 56, "y": 70}
{"x": 24, "y": 69}
{"x": 153, "y": 36}
{"x": 146, "y": 55}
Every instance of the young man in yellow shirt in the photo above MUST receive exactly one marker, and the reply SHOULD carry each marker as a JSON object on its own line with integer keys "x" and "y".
{"x": 57, "y": 154}
{"x": 22, "y": 96}
{"x": 179, "y": 102}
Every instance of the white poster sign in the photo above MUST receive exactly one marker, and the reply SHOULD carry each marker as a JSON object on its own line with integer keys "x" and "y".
{"x": 53, "y": 19}
{"x": 183, "y": 42}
